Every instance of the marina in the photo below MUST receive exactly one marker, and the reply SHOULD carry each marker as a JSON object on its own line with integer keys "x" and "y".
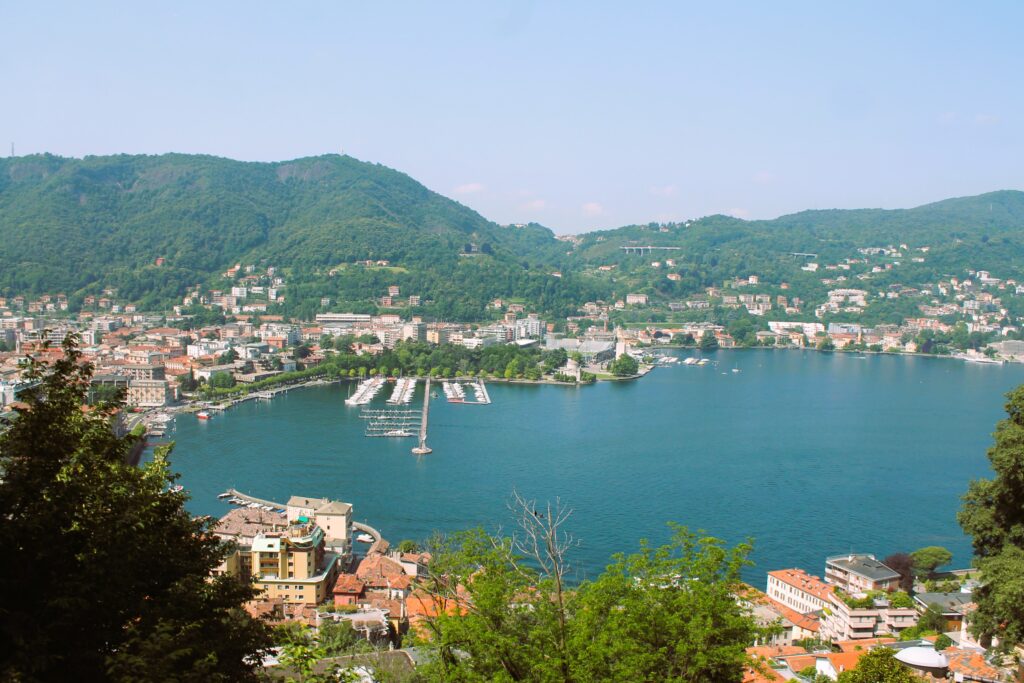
{"x": 677, "y": 445}
{"x": 455, "y": 392}
{"x": 366, "y": 391}
{"x": 404, "y": 389}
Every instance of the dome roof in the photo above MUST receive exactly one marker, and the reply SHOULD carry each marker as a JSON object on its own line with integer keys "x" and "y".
{"x": 923, "y": 657}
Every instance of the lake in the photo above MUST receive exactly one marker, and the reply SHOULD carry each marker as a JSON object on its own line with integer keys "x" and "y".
{"x": 810, "y": 454}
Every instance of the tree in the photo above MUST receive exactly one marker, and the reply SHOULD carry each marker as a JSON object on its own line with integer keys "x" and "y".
{"x": 511, "y": 616}
{"x": 932, "y": 619}
{"x": 879, "y": 666}
{"x": 624, "y": 366}
{"x": 408, "y": 546}
{"x": 708, "y": 341}
{"x": 993, "y": 515}
{"x": 111, "y": 557}
{"x": 229, "y": 356}
{"x": 902, "y": 564}
{"x": 927, "y": 560}
{"x": 189, "y": 383}
{"x": 667, "y": 613}
{"x": 222, "y": 380}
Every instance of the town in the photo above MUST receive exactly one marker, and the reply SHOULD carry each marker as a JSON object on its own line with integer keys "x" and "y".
{"x": 224, "y": 340}
{"x": 302, "y": 556}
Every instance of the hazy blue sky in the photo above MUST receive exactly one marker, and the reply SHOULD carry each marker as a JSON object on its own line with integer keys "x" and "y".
{"x": 576, "y": 115}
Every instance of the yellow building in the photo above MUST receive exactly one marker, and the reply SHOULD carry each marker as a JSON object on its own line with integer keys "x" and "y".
{"x": 291, "y": 564}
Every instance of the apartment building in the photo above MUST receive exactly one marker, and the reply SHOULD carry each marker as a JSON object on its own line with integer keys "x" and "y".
{"x": 798, "y": 590}
{"x": 861, "y": 573}
{"x": 841, "y": 621}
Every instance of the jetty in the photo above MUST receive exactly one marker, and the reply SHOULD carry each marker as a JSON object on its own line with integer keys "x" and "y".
{"x": 403, "y": 391}
{"x": 422, "y": 448}
{"x": 366, "y": 391}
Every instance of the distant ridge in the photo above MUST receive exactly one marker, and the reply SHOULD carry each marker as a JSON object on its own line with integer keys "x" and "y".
{"x": 78, "y": 225}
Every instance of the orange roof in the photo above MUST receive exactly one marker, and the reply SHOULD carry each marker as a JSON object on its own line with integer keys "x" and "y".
{"x": 845, "y": 661}
{"x": 863, "y": 644}
{"x": 801, "y": 580}
{"x": 971, "y": 664}
{"x": 347, "y": 584}
{"x": 775, "y": 650}
{"x": 800, "y": 662}
{"x": 808, "y": 622}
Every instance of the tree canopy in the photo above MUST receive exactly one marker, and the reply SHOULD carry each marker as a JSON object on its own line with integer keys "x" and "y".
{"x": 993, "y": 515}
{"x": 105, "y": 573}
{"x": 664, "y": 614}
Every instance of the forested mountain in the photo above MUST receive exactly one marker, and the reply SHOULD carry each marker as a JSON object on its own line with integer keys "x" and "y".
{"x": 75, "y": 226}
{"x": 78, "y": 226}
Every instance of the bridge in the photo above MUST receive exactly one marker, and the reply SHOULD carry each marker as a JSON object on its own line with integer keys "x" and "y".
{"x": 641, "y": 249}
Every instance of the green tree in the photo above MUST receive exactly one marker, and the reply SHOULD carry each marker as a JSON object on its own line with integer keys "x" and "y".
{"x": 623, "y": 366}
{"x": 993, "y": 515}
{"x": 222, "y": 380}
{"x": 667, "y": 613}
{"x": 229, "y": 356}
{"x": 408, "y": 546}
{"x": 113, "y": 560}
{"x": 927, "y": 560}
{"x": 879, "y": 666}
{"x": 708, "y": 341}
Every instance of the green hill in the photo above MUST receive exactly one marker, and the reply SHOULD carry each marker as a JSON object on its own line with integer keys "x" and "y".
{"x": 75, "y": 226}
{"x": 78, "y": 226}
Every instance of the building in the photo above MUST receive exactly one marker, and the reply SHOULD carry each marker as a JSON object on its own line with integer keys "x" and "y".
{"x": 333, "y": 516}
{"x": 292, "y": 565}
{"x": 855, "y": 573}
{"x": 798, "y": 590}
{"x": 636, "y": 299}
{"x": 149, "y": 393}
{"x": 855, "y": 619}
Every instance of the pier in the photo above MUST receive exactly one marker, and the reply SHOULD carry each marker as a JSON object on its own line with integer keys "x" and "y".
{"x": 253, "y": 499}
{"x": 423, "y": 448}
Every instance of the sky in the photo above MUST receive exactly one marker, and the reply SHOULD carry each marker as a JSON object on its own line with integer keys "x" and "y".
{"x": 576, "y": 115}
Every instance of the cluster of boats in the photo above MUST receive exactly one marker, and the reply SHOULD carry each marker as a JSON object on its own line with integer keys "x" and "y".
{"x": 696, "y": 361}
{"x": 455, "y": 392}
{"x": 366, "y": 391}
{"x": 403, "y": 391}
{"x": 235, "y": 500}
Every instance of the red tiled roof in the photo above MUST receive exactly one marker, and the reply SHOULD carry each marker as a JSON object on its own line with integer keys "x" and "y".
{"x": 800, "y": 579}
{"x": 971, "y": 664}
{"x": 348, "y": 584}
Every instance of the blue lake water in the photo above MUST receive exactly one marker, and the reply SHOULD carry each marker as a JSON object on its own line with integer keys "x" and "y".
{"x": 809, "y": 454}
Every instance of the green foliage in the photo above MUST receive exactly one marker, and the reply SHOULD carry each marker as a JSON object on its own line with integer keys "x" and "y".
{"x": 112, "y": 559}
{"x": 708, "y": 342}
{"x": 932, "y": 619}
{"x": 993, "y": 515}
{"x": 222, "y": 380}
{"x": 927, "y": 560}
{"x": 666, "y": 613}
{"x": 900, "y": 599}
{"x": 408, "y": 546}
{"x": 624, "y": 366}
{"x": 879, "y": 666}
{"x": 942, "y": 642}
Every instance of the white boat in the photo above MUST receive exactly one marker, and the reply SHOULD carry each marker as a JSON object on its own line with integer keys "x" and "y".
{"x": 203, "y": 415}
{"x": 983, "y": 359}
{"x": 364, "y": 538}
{"x": 224, "y": 495}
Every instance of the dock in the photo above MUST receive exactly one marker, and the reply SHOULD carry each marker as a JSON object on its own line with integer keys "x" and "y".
{"x": 423, "y": 448}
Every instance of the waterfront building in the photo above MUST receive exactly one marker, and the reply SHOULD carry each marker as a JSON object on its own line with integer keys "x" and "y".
{"x": 149, "y": 393}
{"x": 798, "y": 590}
{"x": 859, "y": 573}
{"x": 333, "y": 516}
{"x": 842, "y": 621}
{"x": 292, "y": 565}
